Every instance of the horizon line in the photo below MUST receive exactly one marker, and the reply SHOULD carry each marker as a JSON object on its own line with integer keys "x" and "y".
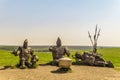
{"x": 62, "y": 45}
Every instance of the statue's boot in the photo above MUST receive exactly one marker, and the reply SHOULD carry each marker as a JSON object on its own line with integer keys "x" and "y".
{"x": 22, "y": 66}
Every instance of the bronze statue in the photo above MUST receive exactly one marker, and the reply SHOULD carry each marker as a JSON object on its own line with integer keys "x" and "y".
{"x": 24, "y": 55}
{"x": 91, "y": 59}
{"x": 34, "y": 59}
{"x": 58, "y": 51}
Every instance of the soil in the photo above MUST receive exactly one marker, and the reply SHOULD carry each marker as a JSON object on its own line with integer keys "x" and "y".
{"x": 47, "y": 72}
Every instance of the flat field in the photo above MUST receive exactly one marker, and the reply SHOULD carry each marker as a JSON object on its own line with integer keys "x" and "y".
{"x": 48, "y": 72}
{"x": 109, "y": 54}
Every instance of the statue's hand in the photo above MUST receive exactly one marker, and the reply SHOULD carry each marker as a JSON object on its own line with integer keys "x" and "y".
{"x": 68, "y": 55}
{"x": 50, "y": 48}
{"x": 14, "y": 52}
{"x": 67, "y": 52}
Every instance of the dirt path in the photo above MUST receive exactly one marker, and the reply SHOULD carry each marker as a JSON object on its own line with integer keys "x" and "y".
{"x": 45, "y": 73}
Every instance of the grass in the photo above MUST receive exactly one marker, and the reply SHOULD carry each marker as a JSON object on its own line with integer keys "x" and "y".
{"x": 44, "y": 57}
{"x": 8, "y": 59}
{"x": 112, "y": 54}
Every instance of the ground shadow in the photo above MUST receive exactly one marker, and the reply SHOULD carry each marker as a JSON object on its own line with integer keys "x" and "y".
{"x": 18, "y": 67}
{"x": 82, "y": 64}
{"x": 51, "y": 63}
{"x": 7, "y": 67}
{"x": 62, "y": 71}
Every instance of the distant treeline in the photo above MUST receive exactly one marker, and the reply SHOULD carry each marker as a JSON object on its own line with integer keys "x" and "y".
{"x": 45, "y": 48}
{"x": 35, "y": 48}
{"x": 9, "y": 48}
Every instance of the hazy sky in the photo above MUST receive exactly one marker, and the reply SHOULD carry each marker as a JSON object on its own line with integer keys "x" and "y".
{"x": 42, "y": 21}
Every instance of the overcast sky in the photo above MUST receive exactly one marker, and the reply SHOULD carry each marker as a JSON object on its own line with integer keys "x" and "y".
{"x": 42, "y": 21}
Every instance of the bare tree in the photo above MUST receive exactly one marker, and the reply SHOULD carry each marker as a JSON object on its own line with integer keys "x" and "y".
{"x": 95, "y": 38}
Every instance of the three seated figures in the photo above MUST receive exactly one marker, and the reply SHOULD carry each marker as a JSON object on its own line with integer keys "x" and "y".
{"x": 92, "y": 59}
{"x": 58, "y": 51}
{"x": 24, "y": 54}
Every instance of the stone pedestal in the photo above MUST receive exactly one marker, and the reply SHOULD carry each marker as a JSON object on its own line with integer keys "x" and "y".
{"x": 65, "y": 62}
